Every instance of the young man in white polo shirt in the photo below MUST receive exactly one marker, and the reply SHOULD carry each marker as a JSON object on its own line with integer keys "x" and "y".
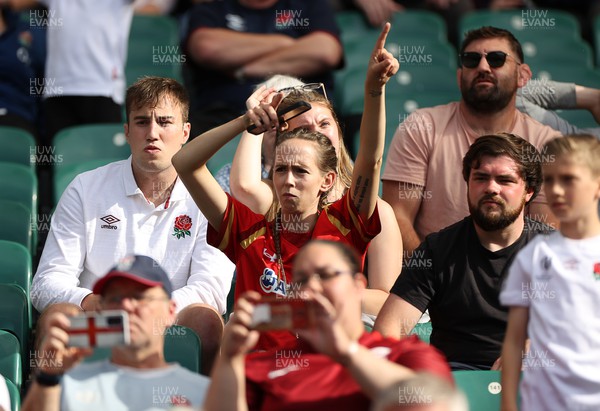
{"x": 138, "y": 206}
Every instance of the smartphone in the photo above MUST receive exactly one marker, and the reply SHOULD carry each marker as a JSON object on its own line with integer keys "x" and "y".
{"x": 286, "y": 114}
{"x": 273, "y": 313}
{"x": 99, "y": 329}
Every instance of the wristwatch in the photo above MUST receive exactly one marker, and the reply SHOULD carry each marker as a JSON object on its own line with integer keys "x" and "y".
{"x": 48, "y": 380}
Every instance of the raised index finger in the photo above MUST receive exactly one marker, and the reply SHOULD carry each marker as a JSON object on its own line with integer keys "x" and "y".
{"x": 380, "y": 43}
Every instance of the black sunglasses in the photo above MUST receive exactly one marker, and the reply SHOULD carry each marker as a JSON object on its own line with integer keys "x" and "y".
{"x": 305, "y": 88}
{"x": 495, "y": 59}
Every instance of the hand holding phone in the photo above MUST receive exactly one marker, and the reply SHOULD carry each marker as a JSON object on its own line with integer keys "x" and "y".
{"x": 285, "y": 115}
{"x": 273, "y": 313}
{"x": 99, "y": 329}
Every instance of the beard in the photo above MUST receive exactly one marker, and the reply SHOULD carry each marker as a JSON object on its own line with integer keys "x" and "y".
{"x": 493, "y": 220}
{"x": 486, "y": 101}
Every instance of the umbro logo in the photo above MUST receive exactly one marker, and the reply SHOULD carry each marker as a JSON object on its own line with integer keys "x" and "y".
{"x": 109, "y": 220}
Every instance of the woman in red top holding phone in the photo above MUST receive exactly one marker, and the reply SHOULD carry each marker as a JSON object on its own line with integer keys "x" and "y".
{"x": 304, "y": 172}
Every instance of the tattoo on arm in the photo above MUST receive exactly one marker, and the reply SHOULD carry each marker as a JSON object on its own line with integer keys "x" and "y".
{"x": 375, "y": 93}
{"x": 359, "y": 191}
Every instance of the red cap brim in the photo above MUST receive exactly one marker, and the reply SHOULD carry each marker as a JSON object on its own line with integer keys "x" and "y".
{"x": 101, "y": 283}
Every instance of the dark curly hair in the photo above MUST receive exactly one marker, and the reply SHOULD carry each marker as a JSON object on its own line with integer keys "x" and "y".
{"x": 526, "y": 156}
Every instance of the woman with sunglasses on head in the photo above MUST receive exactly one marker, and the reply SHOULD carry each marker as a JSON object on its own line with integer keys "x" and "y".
{"x": 304, "y": 172}
{"x": 248, "y": 186}
{"x": 267, "y": 153}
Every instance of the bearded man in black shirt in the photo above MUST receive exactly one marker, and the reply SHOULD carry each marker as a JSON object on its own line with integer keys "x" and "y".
{"x": 457, "y": 273}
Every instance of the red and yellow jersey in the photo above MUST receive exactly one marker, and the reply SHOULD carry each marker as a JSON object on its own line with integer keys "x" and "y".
{"x": 248, "y": 240}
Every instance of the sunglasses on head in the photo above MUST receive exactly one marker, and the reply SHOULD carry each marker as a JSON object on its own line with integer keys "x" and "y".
{"x": 495, "y": 59}
{"x": 320, "y": 87}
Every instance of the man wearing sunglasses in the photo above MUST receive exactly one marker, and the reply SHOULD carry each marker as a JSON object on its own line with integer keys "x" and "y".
{"x": 419, "y": 179}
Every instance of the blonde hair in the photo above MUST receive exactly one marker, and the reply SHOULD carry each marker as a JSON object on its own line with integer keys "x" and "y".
{"x": 583, "y": 149}
{"x": 345, "y": 166}
{"x": 279, "y": 81}
{"x": 326, "y": 161}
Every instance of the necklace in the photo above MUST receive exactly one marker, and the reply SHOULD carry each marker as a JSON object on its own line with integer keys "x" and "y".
{"x": 277, "y": 233}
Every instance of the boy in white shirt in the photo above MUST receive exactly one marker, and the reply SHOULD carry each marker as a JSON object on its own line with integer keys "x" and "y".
{"x": 553, "y": 290}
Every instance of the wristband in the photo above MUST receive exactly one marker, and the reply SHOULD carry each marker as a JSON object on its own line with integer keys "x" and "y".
{"x": 48, "y": 380}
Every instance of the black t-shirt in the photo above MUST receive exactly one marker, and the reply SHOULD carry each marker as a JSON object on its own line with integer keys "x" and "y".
{"x": 294, "y": 18}
{"x": 459, "y": 281}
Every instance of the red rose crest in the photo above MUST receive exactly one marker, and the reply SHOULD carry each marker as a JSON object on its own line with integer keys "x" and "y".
{"x": 597, "y": 271}
{"x": 182, "y": 226}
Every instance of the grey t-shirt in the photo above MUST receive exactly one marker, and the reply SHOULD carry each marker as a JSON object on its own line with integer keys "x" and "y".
{"x": 539, "y": 99}
{"x": 102, "y": 385}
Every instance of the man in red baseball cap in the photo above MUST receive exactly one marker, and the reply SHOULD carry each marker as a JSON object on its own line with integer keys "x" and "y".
{"x": 139, "y": 268}
{"x": 138, "y": 372}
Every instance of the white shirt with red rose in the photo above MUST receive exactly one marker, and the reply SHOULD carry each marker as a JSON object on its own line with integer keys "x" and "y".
{"x": 103, "y": 216}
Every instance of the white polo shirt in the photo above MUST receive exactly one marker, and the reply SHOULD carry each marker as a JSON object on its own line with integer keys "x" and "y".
{"x": 103, "y": 216}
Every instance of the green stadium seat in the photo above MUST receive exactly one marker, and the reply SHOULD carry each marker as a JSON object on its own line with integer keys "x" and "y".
{"x": 411, "y": 79}
{"x": 579, "y": 118}
{"x": 15, "y": 267}
{"x": 429, "y": 79}
{"x": 147, "y": 52}
{"x": 18, "y": 146}
{"x": 573, "y": 52}
{"x": 415, "y": 24}
{"x": 153, "y": 48}
{"x": 596, "y": 29}
{"x": 19, "y": 183}
{"x": 223, "y": 156}
{"x": 10, "y": 358}
{"x": 64, "y": 175}
{"x": 183, "y": 346}
{"x": 89, "y": 142}
{"x": 418, "y": 54}
{"x": 481, "y": 387}
{"x": 399, "y": 105}
{"x": 163, "y": 30}
{"x": 16, "y": 223}
{"x": 15, "y": 396}
{"x": 134, "y": 73}
{"x": 581, "y": 75}
{"x": 352, "y": 26}
{"x": 534, "y": 25}
{"x": 412, "y": 53}
{"x": 419, "y": 24}
{"x": 14, "y": 315}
